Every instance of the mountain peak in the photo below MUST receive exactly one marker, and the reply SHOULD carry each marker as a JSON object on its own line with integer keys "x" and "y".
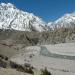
{"x": 13, "y": 18}
{"x": 66, "y": 21}
{"x": 7, "y": 5}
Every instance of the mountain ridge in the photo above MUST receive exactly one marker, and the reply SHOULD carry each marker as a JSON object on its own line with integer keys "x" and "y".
{"x": 66, "y": 21}
{"x": 13, "y": 18}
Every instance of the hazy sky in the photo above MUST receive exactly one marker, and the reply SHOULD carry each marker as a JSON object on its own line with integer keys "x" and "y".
{"x": 47, "y": 9}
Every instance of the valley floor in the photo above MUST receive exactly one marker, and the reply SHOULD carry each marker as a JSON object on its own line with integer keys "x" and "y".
{"x": 55, "y": 64}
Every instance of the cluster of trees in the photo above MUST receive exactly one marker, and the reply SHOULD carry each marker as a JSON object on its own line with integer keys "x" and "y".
{"x": 23, "y": 68}
{"x": 45, "y": 72}
{"x": 3, "y": 61}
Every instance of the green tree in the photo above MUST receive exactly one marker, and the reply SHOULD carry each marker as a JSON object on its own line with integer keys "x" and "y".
{"x": 45, "y": 72}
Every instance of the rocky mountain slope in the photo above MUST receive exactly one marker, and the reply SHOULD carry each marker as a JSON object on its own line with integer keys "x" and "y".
{"x": 17, "y": 26}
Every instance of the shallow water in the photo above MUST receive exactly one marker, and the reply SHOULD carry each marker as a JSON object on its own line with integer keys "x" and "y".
{"x": 45, "y": 52}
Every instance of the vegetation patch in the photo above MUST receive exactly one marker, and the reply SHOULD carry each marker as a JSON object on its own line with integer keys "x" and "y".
{"x": 24, "y": 68}
{"x": 45, "y": 72}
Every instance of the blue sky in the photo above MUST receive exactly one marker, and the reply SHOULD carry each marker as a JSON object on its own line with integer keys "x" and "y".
{"x": 46, "y": 9}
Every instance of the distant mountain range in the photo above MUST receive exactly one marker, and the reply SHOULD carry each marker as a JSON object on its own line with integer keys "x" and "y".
{"x": 66, "y": 21}
{"x": 15, "y": 19}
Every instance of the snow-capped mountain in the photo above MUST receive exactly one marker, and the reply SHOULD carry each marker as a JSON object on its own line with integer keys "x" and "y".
{"x": 66, "y": 21}
{"x": 13, "y": 18}
{"x": 50, "y": 26}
